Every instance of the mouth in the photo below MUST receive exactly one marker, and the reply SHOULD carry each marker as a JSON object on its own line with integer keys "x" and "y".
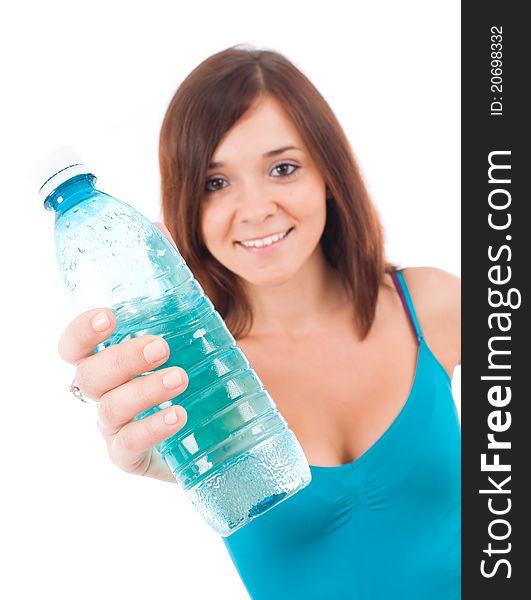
{"x": 262, "y": 247}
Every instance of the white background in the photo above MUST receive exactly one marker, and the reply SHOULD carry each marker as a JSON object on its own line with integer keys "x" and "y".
{"x": 99, "y": 76}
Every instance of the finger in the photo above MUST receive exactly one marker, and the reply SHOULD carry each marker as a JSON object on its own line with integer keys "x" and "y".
{"x": 118, "y": 363}
{"x": 136, "y": 438}
{"x": 164, "y": 230}
{"x": 120, "y": 405}
{"x": 84, "y": 333}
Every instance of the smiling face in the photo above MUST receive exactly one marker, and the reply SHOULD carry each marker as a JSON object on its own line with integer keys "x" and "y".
{"x": 262, "y": 182}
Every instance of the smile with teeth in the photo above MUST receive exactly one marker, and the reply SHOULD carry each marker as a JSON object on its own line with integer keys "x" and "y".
{"x": 267, "y": 241}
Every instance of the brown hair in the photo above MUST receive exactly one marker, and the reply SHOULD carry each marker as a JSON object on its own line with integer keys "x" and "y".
{"x": 204, "y": 108}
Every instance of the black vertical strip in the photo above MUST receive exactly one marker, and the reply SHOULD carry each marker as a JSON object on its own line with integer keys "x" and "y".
{"x": 496, "y": 299}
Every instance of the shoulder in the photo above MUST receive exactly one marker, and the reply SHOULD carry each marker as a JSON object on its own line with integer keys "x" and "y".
{"x": 433, "y": 285}
{"x": 436, "y": 296}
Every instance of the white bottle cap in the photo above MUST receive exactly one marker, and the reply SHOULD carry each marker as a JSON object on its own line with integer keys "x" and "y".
{"x": 55, "y": 168}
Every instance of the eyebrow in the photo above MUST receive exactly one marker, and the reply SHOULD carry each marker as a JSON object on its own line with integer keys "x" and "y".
{"x": 276, "y": 152}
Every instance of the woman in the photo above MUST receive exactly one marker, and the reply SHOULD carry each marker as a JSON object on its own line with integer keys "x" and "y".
{"x": 264, "y": 198}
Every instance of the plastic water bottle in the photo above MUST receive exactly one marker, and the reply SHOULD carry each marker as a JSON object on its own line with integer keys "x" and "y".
{"x": 236, "y": 458}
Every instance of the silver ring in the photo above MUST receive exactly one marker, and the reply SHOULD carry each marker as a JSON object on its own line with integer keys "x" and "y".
{"x": 73, "y": 389}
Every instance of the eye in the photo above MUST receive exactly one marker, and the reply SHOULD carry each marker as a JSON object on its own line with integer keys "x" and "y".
{"x": 214, "y": 184}
{"x": 284, "y": 169}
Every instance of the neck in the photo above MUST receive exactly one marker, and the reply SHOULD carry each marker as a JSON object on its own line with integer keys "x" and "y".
{"x": 297, "y": 307}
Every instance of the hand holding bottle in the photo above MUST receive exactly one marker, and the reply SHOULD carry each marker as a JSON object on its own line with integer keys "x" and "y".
{"x": 110, "y": 377}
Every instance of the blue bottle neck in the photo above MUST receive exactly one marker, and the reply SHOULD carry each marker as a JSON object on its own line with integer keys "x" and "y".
{"x": 71, "y": 192}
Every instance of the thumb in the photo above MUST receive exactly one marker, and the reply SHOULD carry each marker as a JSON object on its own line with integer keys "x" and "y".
{"x": 164, "y": 230}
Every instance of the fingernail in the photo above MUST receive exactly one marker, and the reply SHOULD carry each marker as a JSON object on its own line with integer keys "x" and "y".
{"x": 172, "y": 379}
{"x": 171, "y": 416}
{"x": 101, "y": 322}
{"x": 155, "y": 351}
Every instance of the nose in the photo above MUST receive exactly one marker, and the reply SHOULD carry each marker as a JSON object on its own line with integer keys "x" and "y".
{"x": 255, "y": 204}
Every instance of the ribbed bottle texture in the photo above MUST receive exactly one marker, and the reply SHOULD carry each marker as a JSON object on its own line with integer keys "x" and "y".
{"x": 236, "y": 457}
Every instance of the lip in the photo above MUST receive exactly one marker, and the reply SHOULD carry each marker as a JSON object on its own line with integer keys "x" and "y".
{"x": 265, "y": 249}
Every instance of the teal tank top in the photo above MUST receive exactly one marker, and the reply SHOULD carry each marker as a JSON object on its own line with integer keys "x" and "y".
{"x": 386, "y": 526}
